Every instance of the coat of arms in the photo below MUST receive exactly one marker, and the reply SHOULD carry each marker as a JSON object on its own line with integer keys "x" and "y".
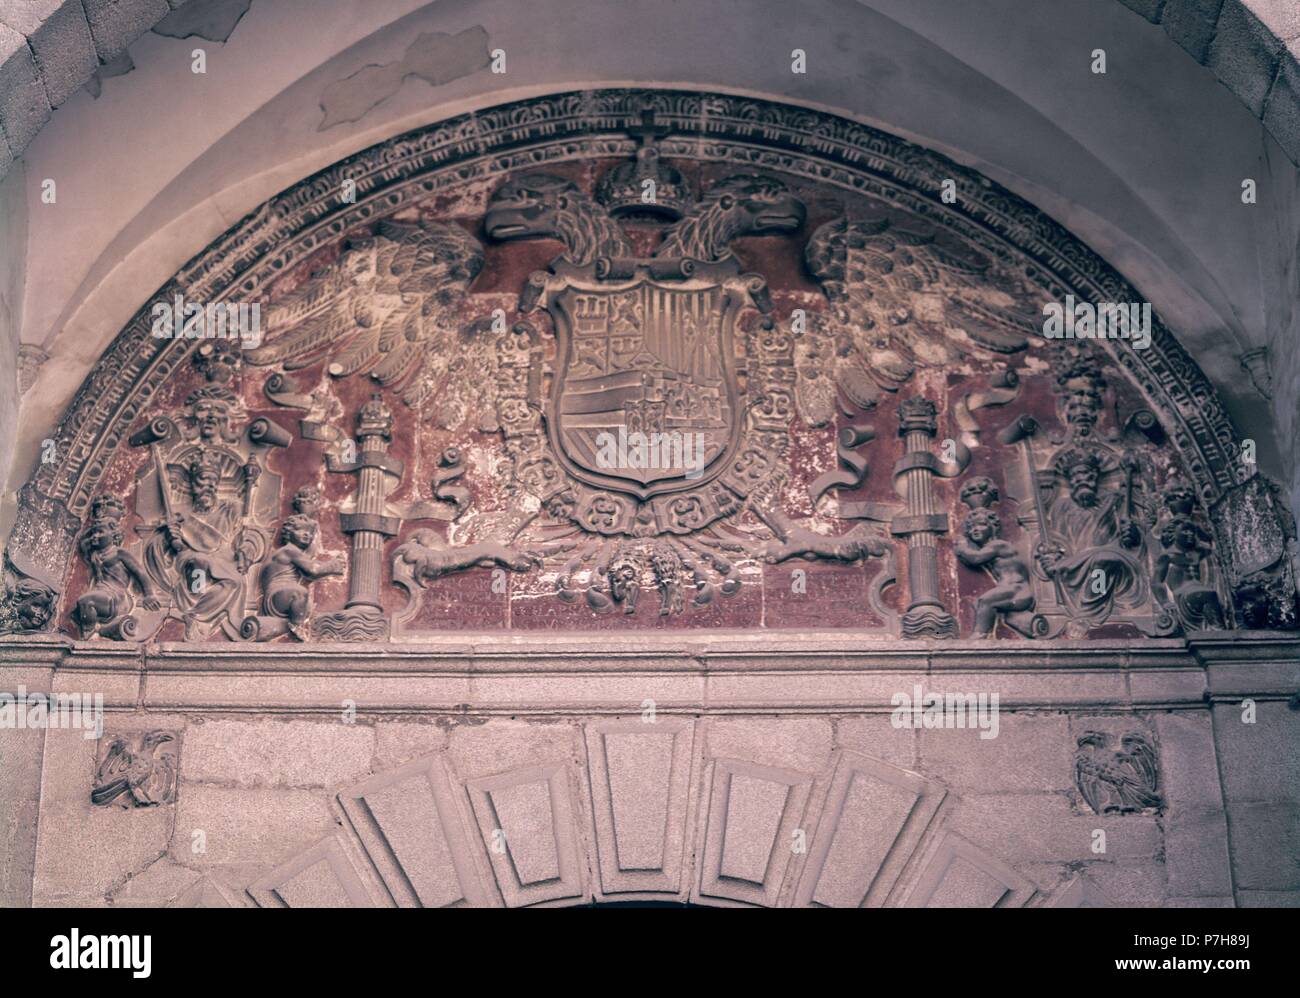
{"x": 647, "y": 436}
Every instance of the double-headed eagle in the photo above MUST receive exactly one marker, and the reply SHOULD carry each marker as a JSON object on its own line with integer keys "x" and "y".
{"x": 392, "y": 305}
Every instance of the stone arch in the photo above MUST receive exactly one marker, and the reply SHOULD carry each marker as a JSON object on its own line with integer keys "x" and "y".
{"x": 651, "y": 813}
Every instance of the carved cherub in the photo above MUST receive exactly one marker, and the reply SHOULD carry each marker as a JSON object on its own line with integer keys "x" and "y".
{"x": 286, "y": 576}
{"x": 982, "y": 546}
{"x": 28, "y": 606}
{"x": 106, "y": 606}
{"x": 1179, "y": 568}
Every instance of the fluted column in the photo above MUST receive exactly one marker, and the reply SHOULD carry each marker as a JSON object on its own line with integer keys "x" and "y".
{"x": 922, "y": 524}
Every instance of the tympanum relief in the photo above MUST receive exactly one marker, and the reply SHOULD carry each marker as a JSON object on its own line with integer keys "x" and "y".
{"x": 635, "y": 392}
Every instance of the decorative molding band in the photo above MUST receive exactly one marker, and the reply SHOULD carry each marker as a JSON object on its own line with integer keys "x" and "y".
{"x": 806, "y": 672}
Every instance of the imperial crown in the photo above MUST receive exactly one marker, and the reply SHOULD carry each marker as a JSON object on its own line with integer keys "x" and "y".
{"x": 624, "y": 189}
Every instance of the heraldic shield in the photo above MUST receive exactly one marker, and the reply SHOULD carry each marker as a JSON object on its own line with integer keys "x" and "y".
{"x": 645, "y": 397}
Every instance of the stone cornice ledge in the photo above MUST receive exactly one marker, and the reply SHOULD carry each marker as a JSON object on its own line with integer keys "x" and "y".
{"x": 722, "y": 671}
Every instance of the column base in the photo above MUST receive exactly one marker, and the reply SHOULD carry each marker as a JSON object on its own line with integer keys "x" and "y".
{"x": 929, "y": 622}
{"x": 356, "y": 623}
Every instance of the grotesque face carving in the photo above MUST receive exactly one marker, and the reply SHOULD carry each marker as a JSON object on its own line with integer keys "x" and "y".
{"x": 212, "y": 417}
{"x": 624, "y": 577}
{"x": 1081, "y": 408}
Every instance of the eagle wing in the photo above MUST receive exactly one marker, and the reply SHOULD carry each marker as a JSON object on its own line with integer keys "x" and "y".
{"x": 156, "y": 785}
{"x": 113, "y": 777}
{"x": 1088, "y": 782}
{"x": 897, "y": 300}
{"x": 388, "y": 306}
{"x": 1139, "y": 759}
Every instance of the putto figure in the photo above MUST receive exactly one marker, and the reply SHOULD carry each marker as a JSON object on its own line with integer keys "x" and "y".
{"x": 27, "y": 607}
{"x": 1182, "y": 565}
{"x": 981, "y": 547}
{"x": 286, "y": 598}
{"x": 106, "y": 607}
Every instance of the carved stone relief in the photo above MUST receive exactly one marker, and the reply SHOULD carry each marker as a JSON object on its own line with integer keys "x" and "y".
{"x": 533, "y": 397}
{"x": 138, "y": 771}
{"x": 1117, "y": 780}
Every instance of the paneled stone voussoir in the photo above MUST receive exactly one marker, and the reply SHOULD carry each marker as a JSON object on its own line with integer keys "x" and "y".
{"x": 1150, "y": 9}
{"x": 754, "y": 816}
{"x": 320, "y": 877}
{"x": 528, "y": 821}
{"x": 640, "y": 786}
{"x": 115, "y": 24}
{"x": 1079, "y": 892}
{"x": 410, "y": 824}
{"x": 207, "y": 893}
{"x": 1191, "y": 24}
{"x": 1244, "y": 55}
{"x": 1282, "y": 109}
{"x": 873, "y": 819}
{"x": 957, "y": 874}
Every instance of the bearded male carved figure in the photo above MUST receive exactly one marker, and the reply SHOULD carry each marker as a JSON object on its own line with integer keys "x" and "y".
{"x": 1096, "y": 551}
{"x": 197, "y": 502}
{"x": 209, "y": 572}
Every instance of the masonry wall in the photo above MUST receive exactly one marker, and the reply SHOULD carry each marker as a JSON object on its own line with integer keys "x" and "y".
{"x": 296, "y": 804}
